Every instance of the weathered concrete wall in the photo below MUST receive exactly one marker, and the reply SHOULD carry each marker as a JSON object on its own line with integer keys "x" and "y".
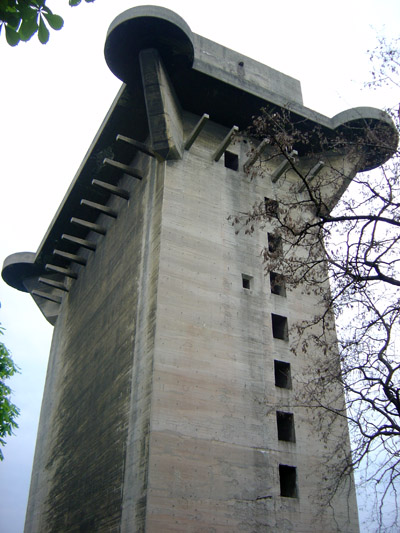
{"x": 100, "y": 375}
{"x": 214, "y": 452}
{"x": 160, "y": 405}
{"x": 237, "y": 69}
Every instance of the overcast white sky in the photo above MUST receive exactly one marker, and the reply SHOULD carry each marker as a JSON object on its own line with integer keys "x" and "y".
{"x": 54, "y": 98}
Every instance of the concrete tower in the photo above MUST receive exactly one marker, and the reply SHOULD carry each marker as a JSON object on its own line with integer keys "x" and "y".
{"x": 165, "y": 374}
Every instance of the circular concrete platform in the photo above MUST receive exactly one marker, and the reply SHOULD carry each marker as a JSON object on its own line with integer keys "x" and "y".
{"x": 18, "y": 267}
{"x": 145, "y": 27}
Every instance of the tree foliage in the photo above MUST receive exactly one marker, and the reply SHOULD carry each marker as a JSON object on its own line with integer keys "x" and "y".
{"x": 21, "y": 19}
{"x": 8, "y": 411}
{"x": 349, "y": 258}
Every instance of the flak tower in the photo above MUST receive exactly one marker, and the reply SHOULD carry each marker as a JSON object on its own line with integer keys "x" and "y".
{"x": 168, "y": 404}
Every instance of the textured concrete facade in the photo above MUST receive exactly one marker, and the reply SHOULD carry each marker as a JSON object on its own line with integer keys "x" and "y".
{"x": 159, "y": 411}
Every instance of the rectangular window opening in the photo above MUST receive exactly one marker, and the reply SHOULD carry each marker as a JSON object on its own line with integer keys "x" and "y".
{"x": 246, "y": 281}
{"x": 288, "y": 481}
{"x": 282, "y": 375}
{"x": 231, "y": 161}
{"x": 278, "y": 285}
{"x": 274, "y": 243}
{"x": 280, "y": 327}
{"x": 271, "y": 207}
{"x": 285, "y": 423}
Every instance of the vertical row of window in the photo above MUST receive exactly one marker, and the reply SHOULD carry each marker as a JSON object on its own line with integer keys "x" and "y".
{"x": 282, "y": 370}
{"x": 286, "y": 431}
{"x": 284, "y": 420}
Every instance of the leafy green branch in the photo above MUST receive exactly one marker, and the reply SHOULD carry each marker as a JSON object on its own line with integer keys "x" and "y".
{"x": 21, "y": 19}
{"x": 8, "y": 411}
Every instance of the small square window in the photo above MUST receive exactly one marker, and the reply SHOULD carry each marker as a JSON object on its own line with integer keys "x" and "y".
{"x": 277, "y": 282}
{"x": 280, "y": 327}
{"x": 271, "y": 207}
{"x": 246, "y": 281}
{"x": 288, "y": 481}
{"x": 282, "y": 375}
{"x": 231, "y": 160}
{"x": 274, "y": 243}
{"x": 285, "y": 424}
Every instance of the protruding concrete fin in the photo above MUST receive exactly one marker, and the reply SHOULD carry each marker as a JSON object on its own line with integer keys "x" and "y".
{"x": 283, "y": 167}
{"x": 162, "y": 106}
{"x": 81, "y": 242}
{"x": 61, "y": 270}
{"x": 134, "y": 172}
{"x": 71, "y": 257}
{"x": 89, "y": 225}
{"x": 117, "y": 191}
{"x": 100, "y": 207}
{"x": 53, "y": 283}
{"x": 47, "y": 296}
{"x": 141, "y": 147}
{"x": 311, "y": 175}
{"x": 196, "y": 131}
{"x": 225, "y": 143}
{"x": 255, "y": 155}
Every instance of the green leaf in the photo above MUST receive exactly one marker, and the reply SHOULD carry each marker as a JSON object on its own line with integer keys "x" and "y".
{"x": 28, "y": 27}
{"x": 43, "y": 32}
{"x": 74, "y": 2}
{"x": 8, "y": 411}
{"x": 26, "y": 11}
{"x": 55, "y": 21}
{"x": 13, "y": 19}
{"x": 46, "y": 9}
{"x": 12, "y": 36}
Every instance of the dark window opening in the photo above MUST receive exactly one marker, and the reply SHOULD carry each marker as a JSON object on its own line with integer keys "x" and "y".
{"x": 246, "y": 281}
{"x": 288, "y": 481}
{"x": 282, "y": 375}
{"x": 280, "y": 327}
{"x": 274, "y": 243}
{"x": 231, "y": 160}
{"x": 285, "y": 423}
{"x": 271, "y": 207}
{"x": 278, "y": 285}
